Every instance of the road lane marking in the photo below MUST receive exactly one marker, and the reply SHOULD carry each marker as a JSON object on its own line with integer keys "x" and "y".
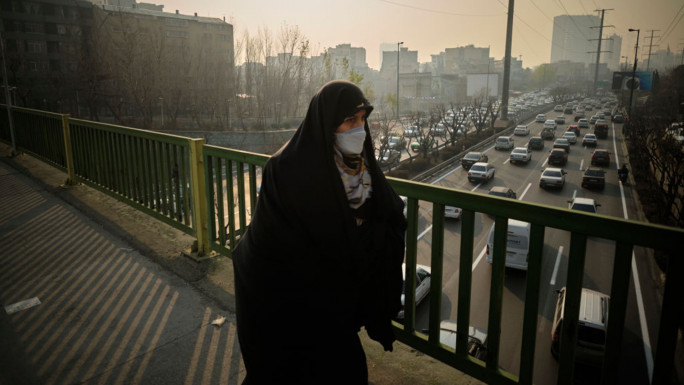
{"x": 582, "y": 165}
{"x": 545, "y": 160}
{"x": 648, "y": 351}
{"x": 507, "y": 160}
{"x": 525, "y": 192}
{"x": 479, "y": 257}
{"x": 556, "y": 266}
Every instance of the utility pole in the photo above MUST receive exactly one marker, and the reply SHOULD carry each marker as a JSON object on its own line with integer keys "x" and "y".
{"x": 648, "y": 62}
{"x": 598, "y": 51}
{"x": 507, "y": 62}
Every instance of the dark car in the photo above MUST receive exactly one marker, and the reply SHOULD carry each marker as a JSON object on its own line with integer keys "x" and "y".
{"x": 503, "y": 192}
{"x": 548, "y": 134}
{"x": 535, "y": 143}
{"x": 618, "y": 118}
{"x": 473, "y": 157}
{"x": 594, "y": 177}
{"x": 562, "y": 143}
{"x": 568, "y": 110}
{"x": 600, "y": 157}
{"x": 558, "y": 156}
{"x": 579, "y": 115}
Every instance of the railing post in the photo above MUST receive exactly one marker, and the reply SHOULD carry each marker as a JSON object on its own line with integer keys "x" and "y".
{"x": 198, "y": 193}
{"x": 68, "y": 154}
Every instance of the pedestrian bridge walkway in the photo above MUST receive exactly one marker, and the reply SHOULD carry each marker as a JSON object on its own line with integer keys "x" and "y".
{"x": 207, "y": 192}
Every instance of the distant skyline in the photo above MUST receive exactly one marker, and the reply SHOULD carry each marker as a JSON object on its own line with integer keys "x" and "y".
{"x": 430, "y": 26}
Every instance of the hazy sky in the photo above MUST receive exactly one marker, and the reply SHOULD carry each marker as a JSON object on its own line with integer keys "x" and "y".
{"x": 430, "y": 26}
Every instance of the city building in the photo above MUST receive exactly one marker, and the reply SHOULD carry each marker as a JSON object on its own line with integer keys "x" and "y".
{"x": 127, "y": 59}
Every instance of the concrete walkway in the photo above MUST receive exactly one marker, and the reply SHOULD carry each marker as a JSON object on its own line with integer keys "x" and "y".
{"x": 96, "y": 292}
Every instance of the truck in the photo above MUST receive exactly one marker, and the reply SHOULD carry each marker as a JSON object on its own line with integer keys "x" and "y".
{"x": 601, "y": 129}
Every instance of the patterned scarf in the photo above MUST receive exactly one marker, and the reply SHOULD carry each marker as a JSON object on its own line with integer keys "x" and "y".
{"x": 355, "y": 178}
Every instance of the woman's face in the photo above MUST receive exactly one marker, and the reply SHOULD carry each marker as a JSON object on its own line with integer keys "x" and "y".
{"x": 353, "y": 121}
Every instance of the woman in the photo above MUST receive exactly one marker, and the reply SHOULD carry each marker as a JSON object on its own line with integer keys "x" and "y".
{"x": 323, "y": 253}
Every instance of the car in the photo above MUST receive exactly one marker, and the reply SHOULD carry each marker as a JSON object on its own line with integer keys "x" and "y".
{"x": 520, "y": 154}
{"x": 473, "y": 157}
{"x": 428, "y": 142}
{"x": 591, "y": 326}
{"x": 594, "y": 177}
{"x": 574, "y": 128}
{"x": 389, "y": 158}
{"x": 618, "y": 118}
{"x": 558, "y": 108}
{"x": 593, "y": 119}
{"x": 600, "y": 157}
{"x": 481, "y": 171}
{"x": 396, "y": 142}
{"x": 452, "y": 212}
{"x": 558, "y": 156}
{"x": 552, "y": 177}
{"x": 477, "y": 338}
{"x": 521, "y": 130}
{"x": 579, "y": 115}
{"x": 423, "y": 274}
{"x": 570, "y": 136}
{"x": 583, "y": 123}
{"x": 411, "y": 131}
{"x": 503, "y": 192}
{"x": 541, "y": 118}
{"x": 504, "y": 143}
{"x": 589, "y": 140}
{"x": 583, "y": 204}
{"x": 560, "y": 119}
{"x": 535, "y": 143}
{"x": 550, "y": 124}
{"x": 548, "y": 134}
{"x": 562, "y": 143}
{"x": 438, "y": 130}
{"x": 568, "y": 110}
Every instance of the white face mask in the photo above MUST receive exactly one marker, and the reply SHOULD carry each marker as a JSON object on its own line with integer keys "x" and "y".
{"x": 351, "y": 142}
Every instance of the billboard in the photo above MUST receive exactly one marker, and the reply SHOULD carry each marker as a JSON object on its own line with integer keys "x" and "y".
{"x": 641, "y": 80}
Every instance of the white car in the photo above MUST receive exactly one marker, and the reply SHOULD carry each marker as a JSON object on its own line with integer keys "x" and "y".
{"x": 550, "y": 124}
{"x": 520, "y": 154}
{"x": 541, "y": 118}
{"x": 452, "y": 212}
{"x": 504, "y": 143}
{"x": 583, "y": 204}
{"x": 412, "y": 131}
{"x": 552, "y": 177}
{"x": 481, "y": 172}
{"x": 423, "y": 274}
{"x": 522, "y": 130}
{"x": 477, "y": 338}
{"x": 570, "y": 136}
{"x": 589, "y": 140}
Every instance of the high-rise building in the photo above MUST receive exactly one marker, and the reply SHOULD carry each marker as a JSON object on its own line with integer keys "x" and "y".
{"x": 575, "y": 38}
{"x": 611, "y": 49}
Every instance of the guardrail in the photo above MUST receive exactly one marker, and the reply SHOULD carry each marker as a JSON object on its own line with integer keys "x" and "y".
{"x": 165, "y": 175}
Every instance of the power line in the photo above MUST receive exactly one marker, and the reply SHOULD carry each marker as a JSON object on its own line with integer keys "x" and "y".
{"x": 675, "y": 25}
{"x": 667, "y": 30}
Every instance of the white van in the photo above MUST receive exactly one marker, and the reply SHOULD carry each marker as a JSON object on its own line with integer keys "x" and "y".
{"x": 518, "y": 244}
{"x": 591, "y": 328}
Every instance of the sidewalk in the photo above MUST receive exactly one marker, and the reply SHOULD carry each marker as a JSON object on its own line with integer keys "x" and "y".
{"x": 119, "y": 303}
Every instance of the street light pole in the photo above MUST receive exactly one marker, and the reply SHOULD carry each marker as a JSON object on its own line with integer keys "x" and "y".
{"x": 398, "y": 50}
{"x": 631, "y": 87}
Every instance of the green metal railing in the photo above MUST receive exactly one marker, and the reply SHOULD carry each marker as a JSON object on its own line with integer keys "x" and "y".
{"x": 210, "y": 192}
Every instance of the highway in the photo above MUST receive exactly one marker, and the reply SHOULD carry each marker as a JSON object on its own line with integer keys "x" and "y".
{"x": 615, "y": 200}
